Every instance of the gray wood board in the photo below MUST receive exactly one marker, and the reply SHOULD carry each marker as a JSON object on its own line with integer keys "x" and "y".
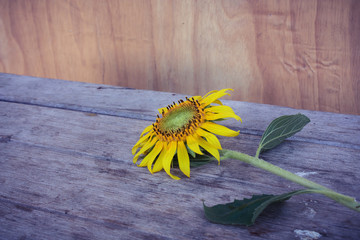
{"x": 69, "y": 174}
{"x": 51, "y": 145}
{"x": 325, "y": 128}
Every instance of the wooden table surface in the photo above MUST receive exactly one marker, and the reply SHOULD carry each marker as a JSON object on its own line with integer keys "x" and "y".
{"x": 67, "y": 171}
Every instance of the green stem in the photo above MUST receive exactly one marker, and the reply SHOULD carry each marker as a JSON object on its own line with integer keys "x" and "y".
{"x": 258, "y": 152}
{"x": 257, "y": 162}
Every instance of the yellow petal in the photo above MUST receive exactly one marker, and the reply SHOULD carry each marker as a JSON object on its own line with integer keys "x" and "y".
{"x": 152, "y": 155}
{"x": 157, "y": 149}
{"x": 225, "y": 110}
{"x": 158, "y": 164}
{"x": 216, "y": 116}
{"x": 196, "y": 97}
{"x": 218, "y": 109}
{"x": 147, "y": 129}
{"x": 141, "y": 140}
{"x": 218, "y": 102}
{"x": 183, "y": 158}
{"x": 211, "y": 138}
{"x": 161, "y": 109}
{"x": 193, "y": 145}
{"x": 145, "y": 147}
{"x": 211, "y": 92}
{"x": 212, "y": 97}
{"x": 219, "y": 129}
{"x": 167, "y": 160}
{"x": 208, "y": 147}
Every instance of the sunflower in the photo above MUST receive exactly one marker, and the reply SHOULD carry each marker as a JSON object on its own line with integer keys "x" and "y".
{"x": 184, "y": 127}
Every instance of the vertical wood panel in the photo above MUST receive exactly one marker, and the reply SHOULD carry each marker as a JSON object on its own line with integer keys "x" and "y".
{"x": 275, "y": 53}
{"x": 354, "y": 32}
{"x": 303, "y": 65}
{"x": 332, "y": 38}
{"x": 302, "y": 54}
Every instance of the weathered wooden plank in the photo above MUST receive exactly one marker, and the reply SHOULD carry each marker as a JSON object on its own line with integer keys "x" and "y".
{"x": 103, "y": 192}
{"x": 60, "y": 162}
{"x": 326, "y": 128}
{"x": 111, "y": 138}
{"x": 20, "y": 221}
{"x": 80, "y": 164}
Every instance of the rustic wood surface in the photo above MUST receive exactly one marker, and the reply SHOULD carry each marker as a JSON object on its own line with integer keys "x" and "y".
{"x": 67, "y": 171}
{"x": 302, "y": 54}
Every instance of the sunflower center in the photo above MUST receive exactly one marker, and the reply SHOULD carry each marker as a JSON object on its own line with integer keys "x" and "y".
{"x": 179, "y": 120}
{"x": 177, "y": 117}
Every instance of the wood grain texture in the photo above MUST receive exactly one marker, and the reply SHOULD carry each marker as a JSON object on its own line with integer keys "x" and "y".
{"x": 67, "y": 171}
{"x": 114, "y": 101}
{"x": 302, "y": 54}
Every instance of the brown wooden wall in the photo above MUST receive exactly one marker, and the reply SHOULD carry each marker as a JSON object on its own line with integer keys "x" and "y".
{"x": 302, "y": 54}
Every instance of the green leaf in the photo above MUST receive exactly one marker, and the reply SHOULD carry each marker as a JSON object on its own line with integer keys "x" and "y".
{"x": 197, "y": 161}
{"x": 280, "y": 129}
{"x": 191, "y": 152}
{"x": 245, "y": 212}
{"x": 200, "y": 160}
